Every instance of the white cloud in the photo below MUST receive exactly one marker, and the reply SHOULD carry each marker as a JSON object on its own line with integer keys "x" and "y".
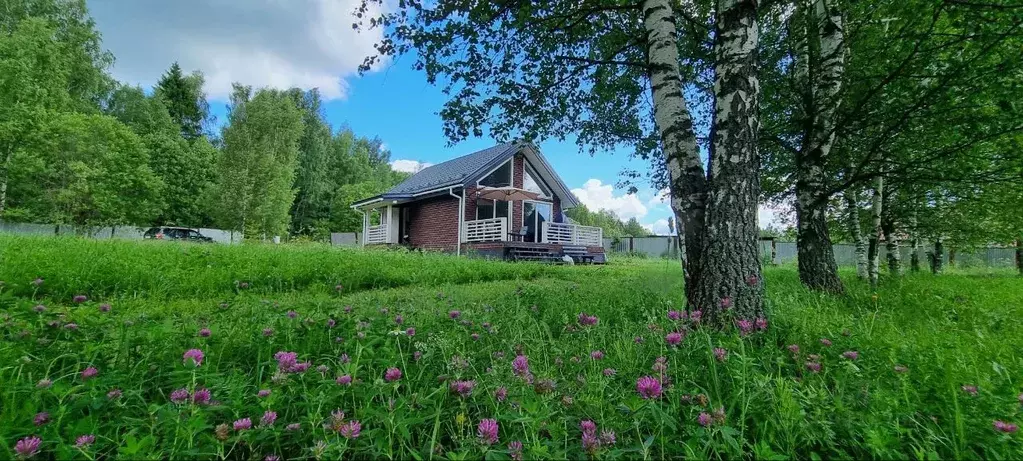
{"x": 276, "y": 43}
{"x": 771, "y": 215}
{"x": 409, "y": 166}
{"x": 660, "y": 197}
{"x": 659, "y": 227}
{"x": 598, "y": 196}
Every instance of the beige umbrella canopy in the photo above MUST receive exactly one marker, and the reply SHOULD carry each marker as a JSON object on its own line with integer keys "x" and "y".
{"x": 508, "y": 194}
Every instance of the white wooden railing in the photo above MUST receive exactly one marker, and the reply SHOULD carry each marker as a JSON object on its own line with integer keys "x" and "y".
{"x": 572, "y": 234}
{"x": 486, "y": 230}
{"x": 376, "y": 234}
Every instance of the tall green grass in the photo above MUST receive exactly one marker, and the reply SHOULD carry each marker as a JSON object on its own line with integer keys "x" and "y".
{"x": 948, "y": 332}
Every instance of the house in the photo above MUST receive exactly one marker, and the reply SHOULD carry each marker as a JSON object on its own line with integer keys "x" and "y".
{"x": 505, "y": 201}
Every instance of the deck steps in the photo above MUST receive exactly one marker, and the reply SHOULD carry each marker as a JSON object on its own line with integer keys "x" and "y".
{"x": 533, "y": 254}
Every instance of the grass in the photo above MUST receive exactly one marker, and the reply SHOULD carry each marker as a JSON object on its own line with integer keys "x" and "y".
{"x": 762, "y": 400}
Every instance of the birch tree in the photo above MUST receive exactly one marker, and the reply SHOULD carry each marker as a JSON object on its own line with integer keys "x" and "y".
{"x": 613, "y": 74}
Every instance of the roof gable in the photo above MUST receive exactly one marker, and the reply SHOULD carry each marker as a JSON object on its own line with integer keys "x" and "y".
{"x": 452, "y": 172}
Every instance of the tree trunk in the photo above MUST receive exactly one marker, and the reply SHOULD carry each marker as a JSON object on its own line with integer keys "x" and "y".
{"x": 875, "y": 232}
{"x": 952, "y": 257}
{"x": 892, "y": 247}
{"x": 1019, "y": 255}
{"x": 730, "y": 283}
{"x": 687, "y": 178}
{"x": 4, "y": 172}
{"x": 937, "y": 258}
{"x": 855, "y": 232}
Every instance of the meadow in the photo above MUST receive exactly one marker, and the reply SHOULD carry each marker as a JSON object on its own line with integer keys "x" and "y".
{"x": 156, "y": 350}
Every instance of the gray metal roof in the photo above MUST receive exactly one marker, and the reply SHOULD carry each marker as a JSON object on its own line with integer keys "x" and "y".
{"x": 451, "y": 172}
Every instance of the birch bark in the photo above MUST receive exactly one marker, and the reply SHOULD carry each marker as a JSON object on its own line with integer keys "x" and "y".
{"x": 852, "y": 222}
{"x": 875, "y": 231}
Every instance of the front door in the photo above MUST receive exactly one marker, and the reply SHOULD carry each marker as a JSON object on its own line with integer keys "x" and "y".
{"x": 534, "y": 214}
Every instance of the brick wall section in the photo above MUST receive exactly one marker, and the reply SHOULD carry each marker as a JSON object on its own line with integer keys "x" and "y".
{"x": 433, "y": 224}
{"x": 470, "y": 203}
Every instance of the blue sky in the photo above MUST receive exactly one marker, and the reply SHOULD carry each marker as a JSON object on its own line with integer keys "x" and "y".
{"x": 311, "y": 44}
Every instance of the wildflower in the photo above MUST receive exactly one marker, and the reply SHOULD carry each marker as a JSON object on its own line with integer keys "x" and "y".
{"x": 44, "y": 384}
{"x": 351, "y": 429}
{"x": 745, "y": 327}
{"x": 348, "y": 309}
{"x": 39, "y": 308}
{"x": 462, "y": 388}
{"x": 37, "y": 282}
{"x": 71, "y": 326}
{"x": 344, "y": 380}
{"x": 574, "y": 359}
{"x": 392, "y": 374}
{"x": 78, "y": 299}
{"x": 696, "y": 316}
{"x": 726, "y": 302}
{"x": 515, "y": 450}
{"x": 263, "y": 393}
{"x": 114, "y": 394}
{"x": 287, "y": 362}
{"x": 205, "y": 333}
{"x": 793, "y": 348}
{"x": 545, "y": 386}
{"x": 826, "y": 342}
{"x": 243, "y": 285}
{"x": 410, "y": 332}
{"x": 398, "y": 319}
{"x": 293, "y": 426}
{"x": 243, "y": 424}
{"x": 720, "y": 354}
{"x": 455, "y": 314}
{"x": 587, "y": 426}
{"x": 1004, "y": 427}
{"x": 384, "y": 310}
{"x": 520, "y": 365}
{"x": 501, "y": 393}
{"x": 89, "y": 373}
{"x": 41, "y": 418}
{"x": 268, "y": 332}
{"x": 752, "y": 280}
{"x": 268, "y": 418}
{"x": 814, "y": 367}
{"x": 84, "y": 441}
{"x": 195, "y": 355}
{"x": 851, "y": 355}
{"x": 590, "y": 442}
{"x": 292, "y": 314}
{"x": 761, "y": 323}
{"x": 597, "y": 355}
{"x": 609, "y": 372}
{"x": 179, "y": 396}
{"x": 704, "y": 419}
{"x": 660, "y": 365}
{"x": 487, "y": 431}
{"x": 903, "y": 369}
{"x": 567, "y": 400}
{"x": 417, "y": 355}
{"x": 814, "y": 357}
{"x": 674, "y": 338}
{"x": 637, "y": 340}
{"x": 607, "y": 437}
{"x": 339, "y": 287}
{"x": 331, "y": 323}
{"x": 323, "y": 369}
{"x": 221, "y": 432}
{"x": 475, "y": 336}
{"x": 648, "y": 387}
{"x": 361, "y": 334}
{"x": 345, "y": 358}
{"x": 972, "y": 390}
{"x": 27, "y": 447}
{"x": 201, "y": 397}
{"x": 272, "y": 458}
{"x": 675, "y": 315}
{"x": 587, "y": 320}
{"x": 719, "y": 415}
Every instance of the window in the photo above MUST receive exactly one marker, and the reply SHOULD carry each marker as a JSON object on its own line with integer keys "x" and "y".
{"x": 487, "y": 209}
{"x": 501, "y": 177}
{"x": 531, "y": 184}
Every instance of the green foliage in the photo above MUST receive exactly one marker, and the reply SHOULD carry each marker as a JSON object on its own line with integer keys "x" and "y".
{"x": 257, "y": 166}
{"x": 947, "y": 332}
{"x": 185, "y": 100}
{"x": 93, "y": 169}
{"x": 606, "y": 220}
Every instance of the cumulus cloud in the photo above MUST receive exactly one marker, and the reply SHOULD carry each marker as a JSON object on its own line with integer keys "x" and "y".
{"x": 661, "y": 197}
{"x": 599, "y": 196}
{"x": 409, "y": 166}
{"x": 275, "y": 43}
{"x": 771, "y": 216}
{"x": 659, "y": 227}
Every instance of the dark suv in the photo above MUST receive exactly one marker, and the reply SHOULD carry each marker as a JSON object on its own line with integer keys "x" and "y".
{"x": 175, "y": 233}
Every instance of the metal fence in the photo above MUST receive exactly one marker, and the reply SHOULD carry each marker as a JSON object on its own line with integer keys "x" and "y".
{"x": 106, "y": 232}
{"x": 774, "y": 252}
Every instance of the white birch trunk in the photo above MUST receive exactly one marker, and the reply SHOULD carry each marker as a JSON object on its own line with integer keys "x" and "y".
{"x": 875, "y": 231}
{"x": 852, "y": 222}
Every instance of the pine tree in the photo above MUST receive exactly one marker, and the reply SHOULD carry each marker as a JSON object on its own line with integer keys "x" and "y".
{"x": 184, "y": 100}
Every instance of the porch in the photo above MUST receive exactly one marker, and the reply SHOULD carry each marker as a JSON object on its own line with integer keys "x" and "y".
{"x": 492, "y": 230}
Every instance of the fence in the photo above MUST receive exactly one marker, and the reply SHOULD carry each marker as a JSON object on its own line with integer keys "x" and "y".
{"x": 108, "y": 232}
{"x": 785, "y": 252}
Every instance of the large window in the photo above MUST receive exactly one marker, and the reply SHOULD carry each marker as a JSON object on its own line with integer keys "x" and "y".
{"x": 501, "y": 177}
{"x": 531, "y": 184}
{"x": 487, "y": 209}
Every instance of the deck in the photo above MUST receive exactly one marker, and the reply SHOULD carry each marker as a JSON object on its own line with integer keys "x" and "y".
{"x": 543, "y": 252}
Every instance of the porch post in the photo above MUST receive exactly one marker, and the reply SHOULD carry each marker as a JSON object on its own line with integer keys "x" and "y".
{"x": 365, "y": 226}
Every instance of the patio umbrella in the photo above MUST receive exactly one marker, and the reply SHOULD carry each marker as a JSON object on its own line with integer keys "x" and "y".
{"x": 508, "y": 194}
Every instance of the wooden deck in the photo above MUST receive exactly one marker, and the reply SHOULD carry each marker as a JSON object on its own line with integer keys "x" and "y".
{"x": 543, "y": 252}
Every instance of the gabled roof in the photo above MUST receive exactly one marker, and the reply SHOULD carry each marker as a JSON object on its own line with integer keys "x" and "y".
{"x": 468, "y": 169}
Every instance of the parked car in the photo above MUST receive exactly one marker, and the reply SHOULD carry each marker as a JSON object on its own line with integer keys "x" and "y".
{"x": 175, "y": 233}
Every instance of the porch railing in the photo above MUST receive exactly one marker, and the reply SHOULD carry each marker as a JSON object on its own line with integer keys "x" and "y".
{"x": 486, "y": 230}
{"x": 572, "y": 234}
{"x": 376, "y": 234}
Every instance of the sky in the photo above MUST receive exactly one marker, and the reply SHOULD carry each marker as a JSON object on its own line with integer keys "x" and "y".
{"x": 311, "y": 44}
